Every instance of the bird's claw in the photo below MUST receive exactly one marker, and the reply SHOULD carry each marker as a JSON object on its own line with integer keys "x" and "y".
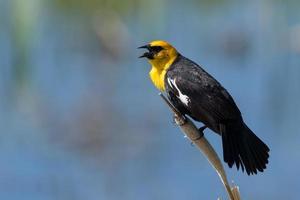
{"x": 179, "y": 120}
{"x": 197, "y": 138}
{"x": 201, "y": 129}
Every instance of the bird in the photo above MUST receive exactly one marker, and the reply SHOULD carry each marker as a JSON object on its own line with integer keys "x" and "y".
{"x": 197, "y": 94}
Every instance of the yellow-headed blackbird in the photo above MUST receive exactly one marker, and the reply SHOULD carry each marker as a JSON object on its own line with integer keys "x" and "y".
{"x": 197, "y": 94}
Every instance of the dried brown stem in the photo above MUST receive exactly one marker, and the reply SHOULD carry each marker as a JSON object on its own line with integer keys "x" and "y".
{"x": 198, "y": 138}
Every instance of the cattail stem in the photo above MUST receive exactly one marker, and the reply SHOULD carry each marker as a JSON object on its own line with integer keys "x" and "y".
{"x": 198, "y": 138}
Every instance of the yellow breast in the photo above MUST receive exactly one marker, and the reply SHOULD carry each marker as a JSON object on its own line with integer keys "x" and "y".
{"x": 159, "y": 70}
{"x": 158, "y": 77}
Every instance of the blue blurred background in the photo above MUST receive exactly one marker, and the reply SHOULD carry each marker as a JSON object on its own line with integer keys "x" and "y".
{"x": 80, "y": 119}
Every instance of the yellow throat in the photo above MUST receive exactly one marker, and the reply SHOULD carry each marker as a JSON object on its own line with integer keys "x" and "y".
{"x": 161, "y": 63}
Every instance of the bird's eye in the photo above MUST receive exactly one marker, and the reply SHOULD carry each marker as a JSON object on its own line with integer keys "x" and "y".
{"x": 156, "y": 49}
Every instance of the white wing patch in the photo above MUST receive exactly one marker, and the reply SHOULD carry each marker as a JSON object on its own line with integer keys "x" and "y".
{"x": 170, "y": 82}
{"x": 183, "y": 98}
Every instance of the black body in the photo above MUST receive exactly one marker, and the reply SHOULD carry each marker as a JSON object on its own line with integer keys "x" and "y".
{"x": 211, "y": 104}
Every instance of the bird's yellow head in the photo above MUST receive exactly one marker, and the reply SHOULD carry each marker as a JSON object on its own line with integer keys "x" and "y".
{"x": 160, "y": 54}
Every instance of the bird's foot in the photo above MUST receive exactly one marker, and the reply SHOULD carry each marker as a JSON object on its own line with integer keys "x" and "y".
{"x": 179, "y": 120}
{"x": 201, "y": 129}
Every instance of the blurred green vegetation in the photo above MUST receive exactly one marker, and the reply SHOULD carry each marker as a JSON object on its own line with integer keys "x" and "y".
{"x": 24, "y": 16}
{"x": 89, "y": 6}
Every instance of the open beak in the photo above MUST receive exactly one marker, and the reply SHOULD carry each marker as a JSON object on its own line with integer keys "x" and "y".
{"x": 147, "y": 54}
{"x": 144, "y": 47}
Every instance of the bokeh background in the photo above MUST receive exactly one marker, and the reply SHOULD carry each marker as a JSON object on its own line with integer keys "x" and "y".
{"x": 80, "y": 119}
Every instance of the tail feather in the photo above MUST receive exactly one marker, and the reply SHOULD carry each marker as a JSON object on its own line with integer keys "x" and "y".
{"x": 243, "y": 148}
{"x": 260, "y": 158}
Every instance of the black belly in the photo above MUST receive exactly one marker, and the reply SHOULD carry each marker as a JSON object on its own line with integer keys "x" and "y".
{"x": 194, "y": 112}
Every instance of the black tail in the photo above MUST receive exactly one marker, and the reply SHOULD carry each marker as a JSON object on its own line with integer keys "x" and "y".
{"x": 242, "y": 147}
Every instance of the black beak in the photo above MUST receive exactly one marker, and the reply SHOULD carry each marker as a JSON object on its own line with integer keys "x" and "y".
{"x": 144, "y": 47}
{"x": 148, "y": 54}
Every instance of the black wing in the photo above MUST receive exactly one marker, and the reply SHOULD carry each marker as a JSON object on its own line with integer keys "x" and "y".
{"x": 208, "y": 101}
